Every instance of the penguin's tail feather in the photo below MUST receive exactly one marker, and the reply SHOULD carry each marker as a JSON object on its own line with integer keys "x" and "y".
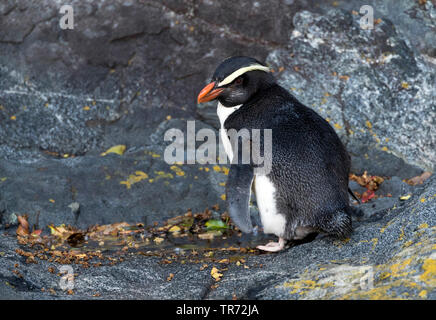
{"x": 339, "y": 224}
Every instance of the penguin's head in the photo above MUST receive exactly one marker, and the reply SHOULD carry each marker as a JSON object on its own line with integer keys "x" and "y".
{"x": 236, "y": 80}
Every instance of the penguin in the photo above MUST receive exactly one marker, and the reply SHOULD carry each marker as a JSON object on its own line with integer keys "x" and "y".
{"x": 306, "y": 190}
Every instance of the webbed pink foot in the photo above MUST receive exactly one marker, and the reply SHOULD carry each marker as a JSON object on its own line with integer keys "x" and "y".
{"x": 273, "y": 246}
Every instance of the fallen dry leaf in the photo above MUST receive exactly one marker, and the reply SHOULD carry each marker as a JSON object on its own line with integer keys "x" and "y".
{"x": 367, "y": 195}
{"x": 175, "y": 229}
{"x": 204, "y": 266}
{"x": 216, "y": 274}
{"x": 108, "y": 229}
{"x": 158, "y": 240}
{"x": 344, "y": 77}
{"x": 60, "y": 231}
{"x": 76, "y": 239}
{"x": 419, "y": 179}
{"x": 118, "y": 149}
{"x": 370, "y": 182}
{"x": 23, "y": 228}
{"x": 405, "y": 197}
{"x": 36, "y": 233}
{"x": 207, "y": 236}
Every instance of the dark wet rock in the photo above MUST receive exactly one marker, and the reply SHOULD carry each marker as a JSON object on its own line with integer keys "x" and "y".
{"x": 396, "y": 187}
{"x": 375, "y": 209}
{"x": 131, "y": 70}
{"x": 380, "y": 163}
{"x": 101, "y": 186}
{"x": 355, "y": 187}
{"x": 387, "y": 198}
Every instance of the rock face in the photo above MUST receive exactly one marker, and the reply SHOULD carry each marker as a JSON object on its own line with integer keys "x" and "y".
{"x": 370, "y": 85}
{"x": 129, "y": 71}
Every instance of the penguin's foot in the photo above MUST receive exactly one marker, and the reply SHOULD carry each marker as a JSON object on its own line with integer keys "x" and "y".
{"x": 273, "y": 246}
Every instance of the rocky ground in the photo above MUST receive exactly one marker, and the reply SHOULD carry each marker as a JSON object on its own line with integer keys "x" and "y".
{"x": 131, "y": 70}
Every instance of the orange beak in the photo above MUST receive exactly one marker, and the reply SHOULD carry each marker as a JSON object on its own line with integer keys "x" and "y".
{"x": 208, "y": 93}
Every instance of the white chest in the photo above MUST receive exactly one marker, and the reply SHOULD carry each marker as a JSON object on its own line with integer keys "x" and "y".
{"x": 223, "y": 114}
{"x": 272, "y": 221}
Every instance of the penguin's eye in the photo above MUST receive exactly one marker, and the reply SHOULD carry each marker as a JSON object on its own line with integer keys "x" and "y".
{"x": 238, "y": 81}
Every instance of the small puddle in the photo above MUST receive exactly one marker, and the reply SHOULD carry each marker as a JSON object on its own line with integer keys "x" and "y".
{"x": 228, "y": 240}
{"x": 194, "y": 238}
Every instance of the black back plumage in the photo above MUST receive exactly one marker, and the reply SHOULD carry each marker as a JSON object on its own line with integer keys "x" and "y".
{"x": 310, "y": 165}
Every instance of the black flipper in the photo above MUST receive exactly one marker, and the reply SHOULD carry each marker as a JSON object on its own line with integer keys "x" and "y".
{"x": 238, "y": 193}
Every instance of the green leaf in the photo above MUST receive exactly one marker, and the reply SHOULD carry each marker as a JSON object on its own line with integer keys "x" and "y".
{"x": 216, "y": 225}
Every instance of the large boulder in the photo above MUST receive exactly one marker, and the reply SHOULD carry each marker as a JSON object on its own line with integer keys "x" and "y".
{"x": 370, "y": 85}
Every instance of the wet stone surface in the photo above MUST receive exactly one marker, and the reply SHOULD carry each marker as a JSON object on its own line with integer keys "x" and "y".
{"x": 124, "y": 79}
